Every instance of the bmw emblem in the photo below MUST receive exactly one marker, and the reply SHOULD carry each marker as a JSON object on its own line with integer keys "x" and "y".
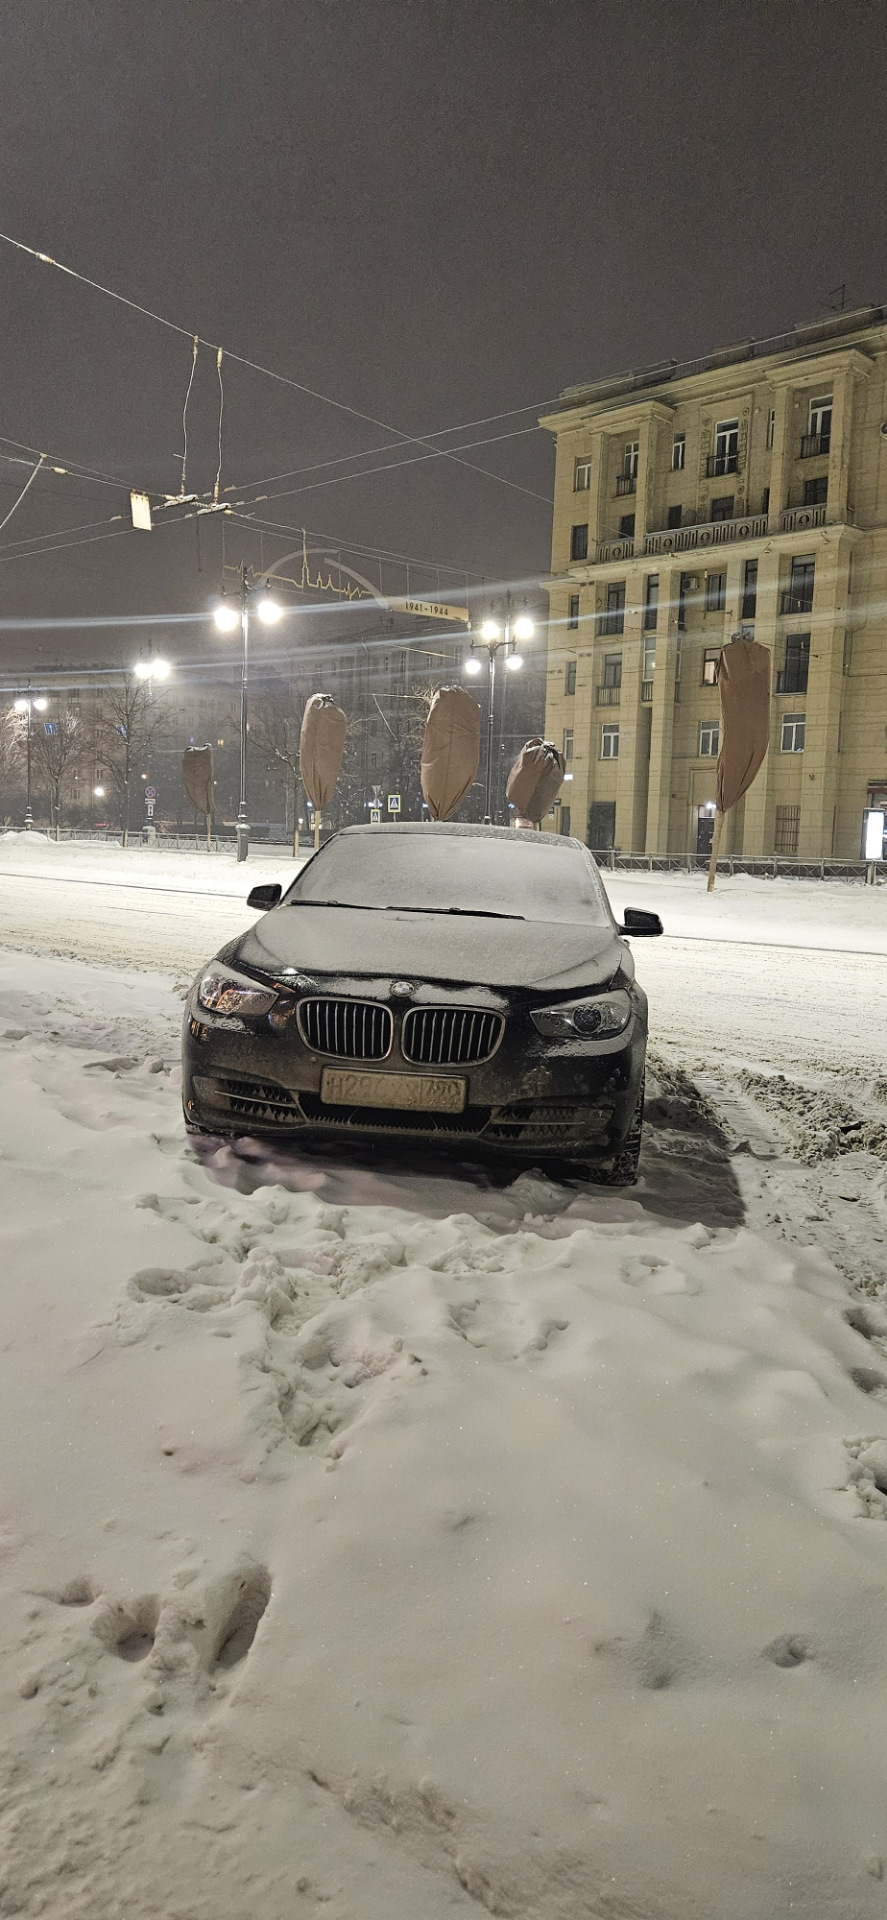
{"x": 404, "y": 987}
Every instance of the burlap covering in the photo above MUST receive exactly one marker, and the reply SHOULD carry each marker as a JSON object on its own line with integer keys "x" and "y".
{"x": 197, "y": 778}
{"x": 450, "y": 750}
{"x": 535, "y": 779}
{"x": 321, "y": 746}
{"x": 743, "y": 681}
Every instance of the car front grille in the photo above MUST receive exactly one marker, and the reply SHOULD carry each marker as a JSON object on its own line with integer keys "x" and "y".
{"x": 450, "y": 1036}
{"x": 260, "y": 1100}
{"x": 346, "y": 1029}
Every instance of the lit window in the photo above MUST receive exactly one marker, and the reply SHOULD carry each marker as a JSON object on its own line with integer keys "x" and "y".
{"x": 582, "y": 475}
{"x": 820, "y": 421}
{"x": 568, "y": 744}
{"x": 709, "y": 735}
{"x": 793, "y": 732}
{"x": 630, "y": 459}
{"x": 609, "y": 743}
{"x": 710, "y": 666}
{"x": 678, "y": 452}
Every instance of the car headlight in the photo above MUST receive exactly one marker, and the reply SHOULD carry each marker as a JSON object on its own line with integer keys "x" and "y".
{"x": 221, "y": 990}
{"x": 596, "y": 1018}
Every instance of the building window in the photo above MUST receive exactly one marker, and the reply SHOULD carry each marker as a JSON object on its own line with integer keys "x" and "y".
{"x": 818, "y": 437}
{"x": 715, "y": 591}
{"x": 674, "y": 517}
{"x": 788, "y": 820}
{"x": 771, "y": 426}
{"x": 793, "y": 677}
{"x": 613, "y": 621}
{"x": 570, "y": 677}
{"x": 710, "y": 660}
{"x": 609, "y": 743}
{"x": 612, "y": 670}
{"x": 579, "y": 542}
{"x": 709, "y": 734}
{"x": 765, "y": 500}
{"x": 651, "y": 602}
{"x": 749, "y": 590}
{"x": 582, "y": 475}
{"x": 649, "y": 666}
{"x": 793, "y": 732}
{"x": 722, "y": 507}
{"x": 798, "y": 598}
{"x": 626, "y": 526}
{"x": 816, "y": 492}
{"x": 630, "y": 459}
{"x": 678, "y": 452}
{"x": 565, "y": 819}
{"x": 568, "y": 744}
{"x": 573, "y": 615}
{"x": 725, "y": 458}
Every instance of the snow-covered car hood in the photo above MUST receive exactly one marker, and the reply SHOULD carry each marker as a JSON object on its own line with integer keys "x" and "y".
{"x": 355, "y": 941}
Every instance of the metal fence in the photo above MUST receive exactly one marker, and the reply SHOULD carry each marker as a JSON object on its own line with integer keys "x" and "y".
{"x": 765, "y": 866}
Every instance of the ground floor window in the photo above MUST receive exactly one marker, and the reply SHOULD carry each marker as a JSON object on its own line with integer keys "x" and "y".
{"x": 793, "y": 725}
{"x": 602, "y": 825}
{"x": 787, "y": 822}
{"x": 565, "y": 819}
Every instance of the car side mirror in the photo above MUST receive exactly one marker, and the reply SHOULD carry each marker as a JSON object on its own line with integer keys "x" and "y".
{"x": 264, "y": 897}
{"x": 640, "y": 924}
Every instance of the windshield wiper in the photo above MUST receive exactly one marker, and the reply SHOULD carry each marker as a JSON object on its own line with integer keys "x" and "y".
{"x": 352, "y": 906}
{"x": 476, "y": 913}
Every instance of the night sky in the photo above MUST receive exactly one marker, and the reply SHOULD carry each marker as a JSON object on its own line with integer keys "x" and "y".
{"x": 432, "y": 211}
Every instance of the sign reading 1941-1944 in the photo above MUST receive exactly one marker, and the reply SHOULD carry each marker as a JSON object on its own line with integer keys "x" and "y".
{"x": 394, "y": 802}
{"x": 431, "y": 610}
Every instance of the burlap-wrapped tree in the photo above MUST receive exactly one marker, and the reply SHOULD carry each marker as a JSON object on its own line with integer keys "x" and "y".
{"x": 450, "y": 750}
{"x": 743, "y": 682}
{"x": 198, "y": 783}
{"x": 321, "y": 746}
{"x": 535, "y": 781}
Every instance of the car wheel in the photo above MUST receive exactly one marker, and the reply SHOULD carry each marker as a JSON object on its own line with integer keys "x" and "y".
{"x": 623, "y": 1171}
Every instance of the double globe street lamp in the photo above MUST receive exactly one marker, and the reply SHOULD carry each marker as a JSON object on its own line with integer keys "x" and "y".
{"x": 228, "y": 614}
{"x": 492, "y": 637}
{"x": 27, "y": 705}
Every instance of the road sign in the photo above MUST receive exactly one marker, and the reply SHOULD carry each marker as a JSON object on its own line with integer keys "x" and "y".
{"x": 50, "y": 726}
{"x": 375, "y": 816}
{"x": 149, "y": 809}
{"x": 394, "y": 802}
{"x": 150, "y": 793}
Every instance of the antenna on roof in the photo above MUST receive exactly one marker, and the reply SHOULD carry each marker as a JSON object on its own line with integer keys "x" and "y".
{"x": 836, "y": 298}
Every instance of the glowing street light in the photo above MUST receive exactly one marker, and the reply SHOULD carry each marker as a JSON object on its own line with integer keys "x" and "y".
{"x": 152, "y": 669}
{"x": 227, "y": 616}
{"x": 491, "y": 637}
{"x": 25, "y": 704}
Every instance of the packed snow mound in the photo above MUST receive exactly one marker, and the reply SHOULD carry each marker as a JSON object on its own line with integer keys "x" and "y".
{"x": 415, "y": 1565}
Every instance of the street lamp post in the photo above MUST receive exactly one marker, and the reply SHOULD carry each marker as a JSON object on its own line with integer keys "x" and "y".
{"x": 149, "y": 670}
{"x": 492, "y": 638}
{"x": 27, "y": 705}
{"x": 226, "y": 618}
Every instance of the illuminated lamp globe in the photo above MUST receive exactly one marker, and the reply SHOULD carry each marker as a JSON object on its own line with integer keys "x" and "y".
{"x": 514, "y": 662}
{"x": 472, "y": 664}
{"x": 268, "y": 610}
{"x": 161, "y": 669}
{"x": 226, "y": 616}
{"x": 489, "y": 630}
{"x": 142, "y": 670}
{"x": 40, "y": 705}
{"x": 21, "y": 706}
{"x": 99, "y": 792}
{"x": 523, "y": 628}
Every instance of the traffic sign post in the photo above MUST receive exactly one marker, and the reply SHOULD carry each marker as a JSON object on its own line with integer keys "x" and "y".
{"x": 394, "y": 802}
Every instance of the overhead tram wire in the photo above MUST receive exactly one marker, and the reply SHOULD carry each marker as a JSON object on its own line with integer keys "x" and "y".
{"x": 341, "y": 406}
{"x": 439, "y": 433}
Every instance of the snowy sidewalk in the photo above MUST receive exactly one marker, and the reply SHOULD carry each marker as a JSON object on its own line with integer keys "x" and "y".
{"x": 407, "y": 1546}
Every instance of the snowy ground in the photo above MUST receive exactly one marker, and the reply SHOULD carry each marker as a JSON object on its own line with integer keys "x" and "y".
{"x": 393, "y": 1540}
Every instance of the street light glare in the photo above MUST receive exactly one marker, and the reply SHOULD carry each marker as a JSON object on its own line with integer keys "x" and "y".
{"x": 268, "y": 610}
{"x": 161, "y": 669}
{"x": 226, "y": 616}
{"x": 21, "y": 706}
{"x": 514, "y": 662}
{"x": 472, "y": 664}
{"x": 99, "y": 792}
{"x": 142, "y": 670}
{"x": 40, "y": 705}
{"x": 489, "y": 630}
{"x": 524, "y": 628}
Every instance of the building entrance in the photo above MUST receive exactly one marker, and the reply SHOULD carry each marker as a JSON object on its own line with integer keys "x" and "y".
{"x": 705, "y": 826}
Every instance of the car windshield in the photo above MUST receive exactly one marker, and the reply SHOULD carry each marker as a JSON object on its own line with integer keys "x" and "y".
{"x": 520, "y": 878}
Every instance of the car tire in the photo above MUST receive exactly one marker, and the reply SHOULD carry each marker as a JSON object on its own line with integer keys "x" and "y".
{"x": 623, "y": 1171}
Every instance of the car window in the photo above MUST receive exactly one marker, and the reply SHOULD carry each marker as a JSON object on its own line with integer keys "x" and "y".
{"x": 523, "y": 877}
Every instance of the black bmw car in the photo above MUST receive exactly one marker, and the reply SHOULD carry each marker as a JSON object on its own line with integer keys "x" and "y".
{"x": 449, "y": 983}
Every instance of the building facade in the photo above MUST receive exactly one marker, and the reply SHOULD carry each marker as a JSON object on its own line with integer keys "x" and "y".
{"x": 746, "y": 490}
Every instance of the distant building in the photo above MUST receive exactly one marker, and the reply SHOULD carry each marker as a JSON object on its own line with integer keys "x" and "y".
{"x": 746, "y": 489}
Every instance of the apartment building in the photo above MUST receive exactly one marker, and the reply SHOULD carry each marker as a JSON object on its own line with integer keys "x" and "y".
{"x": 747, "y": 490}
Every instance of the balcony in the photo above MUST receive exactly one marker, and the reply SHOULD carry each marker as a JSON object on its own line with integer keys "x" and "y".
{"x": 610, "y": 550}
{"x": 792, "y": 679}
{"x": 646, "y": 692}
{"x": 718, "y": 463}
{"x": 607, "y": 696}
{"x": 712, "y": 533}
{"x": 626, "y": 483}
{"x": 796, "y": 599}
{"x": 801, "y": 519}
{"x": 814, "y": 443}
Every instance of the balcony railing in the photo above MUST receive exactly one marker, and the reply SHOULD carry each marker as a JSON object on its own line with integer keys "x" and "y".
{"x": 814, "y": 443}
{"x": 607, "y": 696}
{"x": 792, "y": 679}
{"x": 626, "y": 483}
{"x": 801, "y": 519}
{"x": 610, "y": 550}
{"x": 713, "y": 533}
{"x": 611, "y": 623}
{"x": 796, "y": 600}
{"x": 646, "y": 692}
{"x": 718, "y": 463}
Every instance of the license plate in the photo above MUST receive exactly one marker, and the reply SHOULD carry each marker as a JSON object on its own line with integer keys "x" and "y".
{"x": 418, "y": 1092}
